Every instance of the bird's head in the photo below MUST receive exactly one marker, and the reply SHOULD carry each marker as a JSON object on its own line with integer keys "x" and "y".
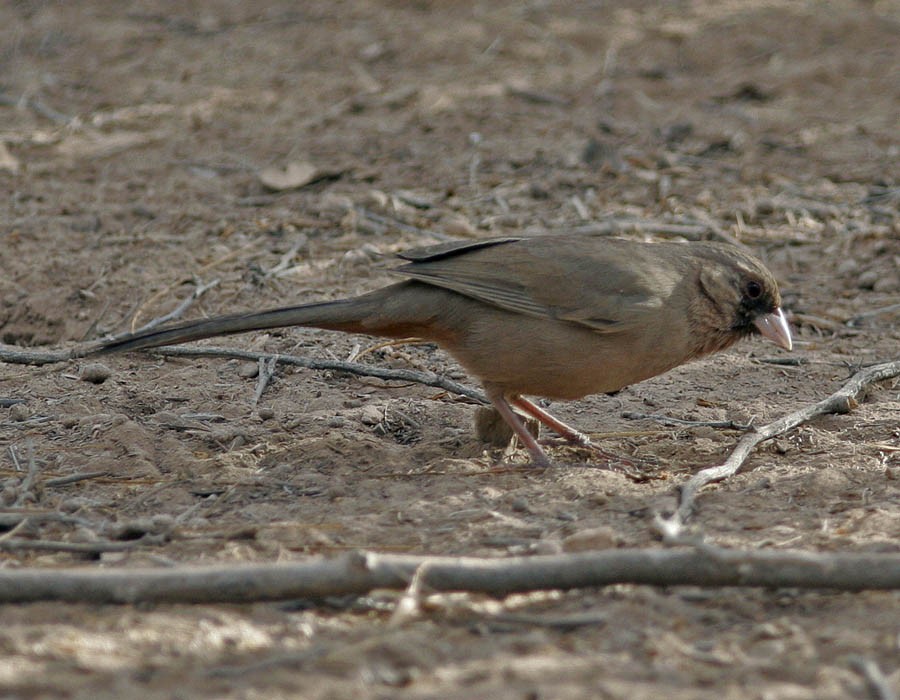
{"x": 738, "y": 297}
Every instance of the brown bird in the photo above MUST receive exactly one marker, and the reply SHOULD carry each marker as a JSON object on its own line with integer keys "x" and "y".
{"x": 555, "y": 316}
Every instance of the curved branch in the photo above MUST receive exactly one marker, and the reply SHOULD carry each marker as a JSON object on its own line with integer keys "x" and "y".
{"x": 841, "y": 401}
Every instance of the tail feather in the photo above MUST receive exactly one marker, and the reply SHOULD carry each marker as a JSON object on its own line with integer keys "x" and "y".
{"x": 344, "y": 315}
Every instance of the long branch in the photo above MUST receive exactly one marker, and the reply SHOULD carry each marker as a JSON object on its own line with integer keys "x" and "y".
{"x": 359, "y": 573}
{"x": 18, "y": 356}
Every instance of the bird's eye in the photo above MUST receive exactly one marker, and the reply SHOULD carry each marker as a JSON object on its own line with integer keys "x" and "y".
{"x": 753, "y": 289}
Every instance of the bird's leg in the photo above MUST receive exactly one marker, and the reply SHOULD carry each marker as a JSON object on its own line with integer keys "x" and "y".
{"x": 538, "y": 456}
{"x": 557, "y": 426}
{"x": 567, "y": 432}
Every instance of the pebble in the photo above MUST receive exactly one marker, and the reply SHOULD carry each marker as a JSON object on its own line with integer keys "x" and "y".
{"x": 848, "y": 266}
{"x": 248, "y": 370}
{"x": 887, "y": 284}
{"x": 867, "y": 279}
{"x": 371, "y": 415}
{"x": 590, "y": 539}
{"x": 520, "y": 505}
{"x": 266, "y": 413}
{"x": 95, "y": 373}
{"x": 18, "y": 413}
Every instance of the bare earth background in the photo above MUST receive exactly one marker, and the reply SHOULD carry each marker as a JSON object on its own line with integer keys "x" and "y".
{"x": 133, "y": 137}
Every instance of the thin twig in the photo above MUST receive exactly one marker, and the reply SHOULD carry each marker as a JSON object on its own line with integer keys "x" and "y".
{"x": 6, "y": 402}
{"x": 404, "y": 375}
{"x": 879, "y": 687}
{"x": 856, "y": 320}
{"x": 266, "y": 372}
{"x": 75, "y": 478}
{"x": 28, "y": 481}
{"x": 358, "y": 573}
{"x": 287, "y": 258}
{"x": 17, "y": 544}
{"x": 842, "y": 401}
{"x": 669, "y": 420}
{"x": 18, "y": 356}
{"x": 403, "y": 226}
{"x": 179, "y": 310}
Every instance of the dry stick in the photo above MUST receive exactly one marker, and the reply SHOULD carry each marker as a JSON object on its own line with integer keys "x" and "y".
{"x": 670, "y": 420}
{"x": 879, "y": 687}
{"x": 358, "y": 573}
{"x": 206, "y": 268}
{"x": 841, "y": 401}
{"x": 28, "y": 481}
{"x": 75, "y": 478}
{"x": 406, "y": 375}
{"x": 402, "y": 225}
{"x": 179, "y": 310}
{"x": 18, "y": 356}
{"x": 266, "y": 372}
{"x": 16, "y": 544}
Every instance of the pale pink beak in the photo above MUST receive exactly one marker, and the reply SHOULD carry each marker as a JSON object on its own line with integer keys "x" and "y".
{"x": 774, "y": 326}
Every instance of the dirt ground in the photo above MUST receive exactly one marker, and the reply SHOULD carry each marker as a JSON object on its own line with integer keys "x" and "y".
{"x": 135, "y": 143}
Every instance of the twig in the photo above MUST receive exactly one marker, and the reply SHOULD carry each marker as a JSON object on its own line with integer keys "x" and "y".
{"x": 28, "y": 481}
{"x": 879, "y": 687}
{"x": 405, "y": 375}
{"x": 859, "y": 318}
{"x": 38, "y": 107}
{"x": 565, "y": 623}
{"x": 15, "y": 544}
{"x": 17, "y": 356}
{"x": 287, "y": 258}
{"x": 6, "y": 402}
{"x": 266, "y": 372}
{"x": 179, "y": 310}
{"x": 842, "y": 401}
{"x": 403, "y": 226}
{"x": 669, "y": 420}
{"x": 358, "y": 573}
{"x": 75, "y": 478}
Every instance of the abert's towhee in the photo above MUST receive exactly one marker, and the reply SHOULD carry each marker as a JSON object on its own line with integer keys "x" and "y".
{"x": 558, "y": 316}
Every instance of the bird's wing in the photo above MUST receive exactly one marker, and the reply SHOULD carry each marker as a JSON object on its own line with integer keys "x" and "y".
{"x": 606, "y": 285}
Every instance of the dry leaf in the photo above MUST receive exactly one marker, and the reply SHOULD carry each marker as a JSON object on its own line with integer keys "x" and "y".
{"x": 295, "y": 174}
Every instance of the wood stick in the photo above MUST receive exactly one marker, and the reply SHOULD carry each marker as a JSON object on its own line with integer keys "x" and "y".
{"x": 360, "y": 572}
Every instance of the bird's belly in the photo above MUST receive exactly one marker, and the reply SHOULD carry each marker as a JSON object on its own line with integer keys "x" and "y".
{"x": 561, "y": 360}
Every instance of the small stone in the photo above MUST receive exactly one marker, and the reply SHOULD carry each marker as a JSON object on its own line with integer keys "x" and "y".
{"x": 590, "y": 539}
{"x": 867, "y": 279}
{"x": 520, "y": 505}
{"x": 371, "y": 415}
{"x": 848, "y": 266}
{"x": 266, "y": 413}
{"x": 336, "y": 422}
{"x": 18, "y": 413}
{"x": 95, "y": 373}
{"x": 887, "y": 284}
{"x": 335, "y": 492}
{"x": 248, "y": 370}
{"x": 68, "y": 421}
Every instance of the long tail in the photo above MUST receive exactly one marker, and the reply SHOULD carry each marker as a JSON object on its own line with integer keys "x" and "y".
{"x": 355, "y": 315}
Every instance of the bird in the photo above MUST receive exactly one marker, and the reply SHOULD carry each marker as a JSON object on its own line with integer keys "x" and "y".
{"x": 557, "y": 316}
